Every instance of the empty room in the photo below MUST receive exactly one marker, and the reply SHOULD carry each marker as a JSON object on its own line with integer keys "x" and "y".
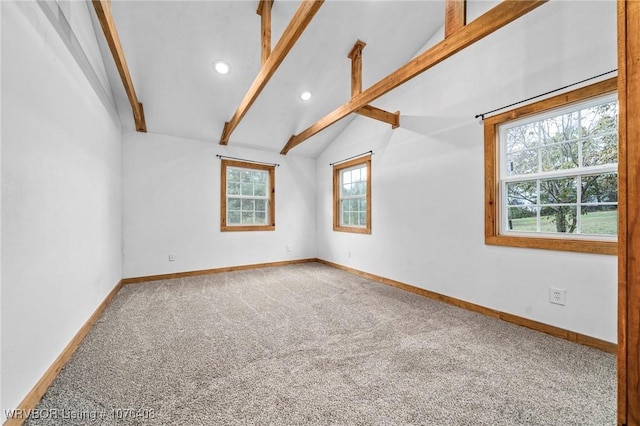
{"x": 320, "y": 212}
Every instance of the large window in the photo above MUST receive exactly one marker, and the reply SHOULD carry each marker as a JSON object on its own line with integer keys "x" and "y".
{"x": 551, "y": 173}
{"x": 352, "y": 196}
{"x": 247, "y": 201}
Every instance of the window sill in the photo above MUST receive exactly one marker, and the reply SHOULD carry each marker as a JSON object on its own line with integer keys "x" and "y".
{"x": 352, "y": 230}
{"x": 558, "y": 244}
{"x": 248, "y": 228}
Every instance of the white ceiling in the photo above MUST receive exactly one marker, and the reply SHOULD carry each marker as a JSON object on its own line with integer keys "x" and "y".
{"x": 170, "y": 47}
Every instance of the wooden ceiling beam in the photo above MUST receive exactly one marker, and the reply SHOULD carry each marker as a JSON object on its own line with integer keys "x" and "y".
{"x": 370, "y": 111}
{"x": 103, "y": 11}
{"x": 356, "y": 88}
{"x": 502, "y": 14}
{"x": 264, "y": 10}
{"x": 455, "y": 16}
{"x": 356, "y": 67}
{"x": 291, "y": 34}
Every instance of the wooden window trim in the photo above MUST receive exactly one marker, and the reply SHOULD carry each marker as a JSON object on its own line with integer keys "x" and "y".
{"x": 492, "y": 176}
{"x": 223, "y": 197}
{"x": 336, "y": 196}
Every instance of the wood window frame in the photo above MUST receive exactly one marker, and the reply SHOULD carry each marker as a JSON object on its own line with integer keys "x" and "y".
{"x": 337, "y": 169}
{"x": 492, "y": 176}
{"x": 270, "y": 169}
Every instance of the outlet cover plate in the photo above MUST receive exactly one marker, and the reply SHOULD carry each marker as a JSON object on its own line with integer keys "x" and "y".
{"x": 558, "y": 296}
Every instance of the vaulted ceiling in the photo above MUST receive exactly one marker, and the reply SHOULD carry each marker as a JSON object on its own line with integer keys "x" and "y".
{"x": 170, "y": 47}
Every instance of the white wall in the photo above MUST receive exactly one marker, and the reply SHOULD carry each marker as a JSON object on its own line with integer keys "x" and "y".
{"x": 428, "y": 175}
{"x": 171, "y": 196}
{"x": 61, "y": 197}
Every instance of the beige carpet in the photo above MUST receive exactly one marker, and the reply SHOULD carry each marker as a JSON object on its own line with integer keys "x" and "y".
{"x": 309, "y": 344}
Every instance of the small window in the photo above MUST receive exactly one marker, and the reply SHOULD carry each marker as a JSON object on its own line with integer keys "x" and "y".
{"x": 552, "y": 175}
{"x": 352, "y": 196}
{"x": 247, "y": 202}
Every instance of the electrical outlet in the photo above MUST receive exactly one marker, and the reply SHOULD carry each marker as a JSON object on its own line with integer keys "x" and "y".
{"x": 172, "y": 257}
{"x": 558, "y": 296}
{"x": 349, "y": 253}
{"x": 288, "y": 248}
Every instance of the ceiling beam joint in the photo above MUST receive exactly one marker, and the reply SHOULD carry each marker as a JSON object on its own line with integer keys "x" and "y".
{"x": 356, "y": 88}
{"x": 103, "y": 12}
{"x": 500, "y": 15}
{"x": 455, "y": 16}
{"x": 290, "y": 36}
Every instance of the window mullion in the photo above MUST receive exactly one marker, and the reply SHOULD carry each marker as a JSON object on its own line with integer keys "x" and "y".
{"x": 538, "y": 207}
{"x": 579, "y": 205}
{"x": 583, "y": 171}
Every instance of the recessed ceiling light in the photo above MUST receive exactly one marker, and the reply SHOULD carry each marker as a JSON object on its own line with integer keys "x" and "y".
{"x": 305, "y": 96}
{"x": 221, "y": 67}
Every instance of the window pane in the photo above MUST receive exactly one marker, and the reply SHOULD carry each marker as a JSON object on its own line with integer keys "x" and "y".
{"x": 522, "y": 193}
{"x": 353, "y": 218}
{"x": 260, "y": 190}
{"x": 522, "y": 162}
{"x": 558, "y": 219}
{"x": 345, "y": 218}
{"x": 247, "y": 217}
{"x": 600, "y": 119}
{"x": 362, "y": 205}
{"x": 261, "y": 177}
{"x": 261, "y": 205}
{"x": 601, "y": 220}
{"x": 353, "y": 205}
{"x": 559, "y": 128}
{"x": 361, "y": 188}
{"x": 560, "y": 156}
{"x": 363, "y": 218}
{"x": 247, "y": 176}
{"x": 522, "y": 137}
{"x": 247, "y": 205}
{"x": 600, "y": 150}
{"x": 233, "y": 218}
{"x": 600, "y": 188}
{"x": 346, "y": 177}
{"x": 522, "y": 219}
{"x": 233, "y": 188}
{"x": 246, "y": 188}
{"x": 558, "y": 191}
{"x": 261, "y": 218}
{"x": 346, "y": 190}
{"x": 233, "y": 175}
{"x": 233, "y": 204}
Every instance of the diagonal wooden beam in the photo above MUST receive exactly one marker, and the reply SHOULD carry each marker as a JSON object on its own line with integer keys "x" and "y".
{"x": 392, "y": 118}
{"x": 455, "y": 16}
{"x": 505, "y": 12}
{"x": 356, "y": 87}
{"x": 103, "y": 11}
{"x": 264, "y": 10}
{"x": 294, "y": 30}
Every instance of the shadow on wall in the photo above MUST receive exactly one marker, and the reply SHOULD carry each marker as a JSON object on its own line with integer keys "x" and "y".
{"x": 432, "y": 125}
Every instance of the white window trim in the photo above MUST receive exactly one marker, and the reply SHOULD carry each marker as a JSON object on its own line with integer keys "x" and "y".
{"x": 351, "y": 197}
{"x": 265, "y": 197}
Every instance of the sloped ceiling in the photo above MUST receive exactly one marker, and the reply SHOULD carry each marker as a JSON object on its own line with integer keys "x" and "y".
{"x": 171, "y": 46}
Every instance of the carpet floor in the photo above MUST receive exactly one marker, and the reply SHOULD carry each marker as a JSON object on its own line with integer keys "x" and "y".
{"x": 310, "y": 344}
